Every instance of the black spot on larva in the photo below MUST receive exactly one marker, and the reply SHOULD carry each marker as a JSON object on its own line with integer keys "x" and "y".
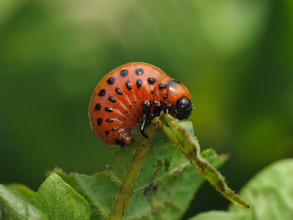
{"x": 102, "y": 92}
{"x": 152, "y": 81}
{"x": 99, "y": 121}
{"x": 112, "y": 99}
{"x": 139, "y": 71}
{"x": 162, "y": 86}
{"x": 107, "y": 133}
{"x": 108, "y": 109}
{"x": 126, "y": 111}
{"x": 153, "y": 91}
{"x": 97, "y": 107}
{"x": 118, "y": 91}
{"x": 165, "y": 95}
{"x": 111, "y": 80}
{"x": 128, "y": 85}
{"x": 109, "y": 120}
{"x": 139, "y": 83}
{"x": 123, "y": 73}
{"x": 114, "y": 129}
{"x": 120, "y": 142}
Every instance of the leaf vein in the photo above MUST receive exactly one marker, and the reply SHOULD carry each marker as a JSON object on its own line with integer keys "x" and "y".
{"x": 160, "y": 178}
{"x": 114, "y": 178}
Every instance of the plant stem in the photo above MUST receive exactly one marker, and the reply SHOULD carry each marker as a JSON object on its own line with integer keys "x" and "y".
{"x": 131, "y": 177}
{"x": 190, "y": 147}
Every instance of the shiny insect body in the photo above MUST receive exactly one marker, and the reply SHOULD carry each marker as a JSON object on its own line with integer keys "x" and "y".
{"x": 133, "y": 93}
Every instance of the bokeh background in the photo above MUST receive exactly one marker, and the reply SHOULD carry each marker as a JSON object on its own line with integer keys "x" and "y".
{"x": 235, "y": 56}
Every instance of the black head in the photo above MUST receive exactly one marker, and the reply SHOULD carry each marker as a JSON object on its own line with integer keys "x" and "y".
{"x": 183, "y": 108}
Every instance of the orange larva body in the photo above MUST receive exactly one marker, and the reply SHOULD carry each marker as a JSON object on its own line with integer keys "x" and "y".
{"x": 118, "y": 101}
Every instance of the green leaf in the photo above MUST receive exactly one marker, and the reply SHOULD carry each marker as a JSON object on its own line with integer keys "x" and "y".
{"x": 13, "y": 207}
{"x": 164, "y": 189}
{"x": 270, "y": 194}
{"x": 60, "y": 201}
{"x": 21, "y": 191}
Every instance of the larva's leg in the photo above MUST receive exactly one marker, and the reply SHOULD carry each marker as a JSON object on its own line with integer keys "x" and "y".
{"x": 142, "y": 127}
{"x": 145, "y": 116}
{"x": 167, "y": 108}
{"x": 157, "y": 108}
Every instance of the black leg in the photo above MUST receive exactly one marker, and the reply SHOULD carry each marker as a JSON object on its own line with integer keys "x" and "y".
{"x": 167, "y": 108}
{"x": 145, "y": 116}
{"x": 142, "y": 127}
{"x": 146, "y": 107}
{"x": 157, "y": 108}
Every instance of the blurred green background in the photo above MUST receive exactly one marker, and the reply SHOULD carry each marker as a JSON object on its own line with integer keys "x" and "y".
{"x": 235, "y": 56}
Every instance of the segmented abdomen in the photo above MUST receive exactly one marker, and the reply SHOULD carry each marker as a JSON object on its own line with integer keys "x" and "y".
{"x": 117, "y": 102}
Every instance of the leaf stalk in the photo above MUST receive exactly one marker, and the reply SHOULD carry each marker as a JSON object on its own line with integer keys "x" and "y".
{"x": 190, "y": 147}
{"x": 132, "y": 175}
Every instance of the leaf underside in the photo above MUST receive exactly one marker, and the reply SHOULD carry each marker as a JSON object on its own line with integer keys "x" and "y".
{"x": 164, "y": 188}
